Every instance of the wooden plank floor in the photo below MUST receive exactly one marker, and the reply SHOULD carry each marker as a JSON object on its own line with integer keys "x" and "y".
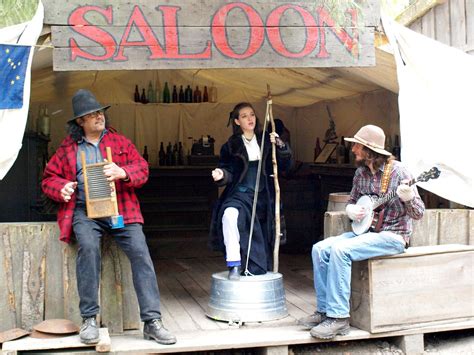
{"x": 185, "y": 285}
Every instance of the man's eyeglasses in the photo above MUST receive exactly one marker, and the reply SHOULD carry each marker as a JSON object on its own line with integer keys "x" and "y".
{"x": 94, "y": 114}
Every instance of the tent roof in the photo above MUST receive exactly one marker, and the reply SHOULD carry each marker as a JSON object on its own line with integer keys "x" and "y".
{"x": 294, "y": 87}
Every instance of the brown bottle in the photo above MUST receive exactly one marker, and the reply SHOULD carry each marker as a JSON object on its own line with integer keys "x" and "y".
{"x": 143, "y": 99}
{"x": 197, "y": 95}
{"x": 136, "y": 96}
{"x": 205, "y": 95}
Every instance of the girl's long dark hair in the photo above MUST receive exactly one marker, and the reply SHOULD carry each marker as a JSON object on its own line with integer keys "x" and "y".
{"x": 234, "y": 115}
{"x": 76, "y": 132}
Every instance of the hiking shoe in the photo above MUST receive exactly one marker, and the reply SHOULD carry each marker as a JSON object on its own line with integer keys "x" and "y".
{"x": 312, "y": 320}
{"x": 330, "y": 328}
{"x": 89, "y": 333}
{"x": 154, "y": 329}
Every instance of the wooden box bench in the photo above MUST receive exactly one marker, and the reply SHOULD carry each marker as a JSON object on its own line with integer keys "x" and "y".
{"x": 427, "y": 285}
{"x": 38, "y": 280}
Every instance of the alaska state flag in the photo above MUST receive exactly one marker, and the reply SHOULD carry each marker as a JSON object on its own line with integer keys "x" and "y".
{"x": 13, "y": 65}
{"x": 16, "y": 55}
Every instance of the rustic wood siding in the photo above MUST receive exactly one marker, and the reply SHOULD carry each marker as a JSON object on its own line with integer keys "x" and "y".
{"x": 451, "y": 23}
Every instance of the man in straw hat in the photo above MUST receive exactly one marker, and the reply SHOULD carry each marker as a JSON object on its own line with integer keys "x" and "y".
{"x": 63, "y": 181}
{"x": 377, "y": 173}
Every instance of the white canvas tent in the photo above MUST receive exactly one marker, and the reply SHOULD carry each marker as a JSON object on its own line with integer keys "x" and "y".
{"x": 356, "y": 96}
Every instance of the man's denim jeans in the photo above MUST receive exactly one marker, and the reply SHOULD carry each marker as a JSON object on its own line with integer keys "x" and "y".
{"x": 132, "y": 241}
{"x": 332, "y": 264}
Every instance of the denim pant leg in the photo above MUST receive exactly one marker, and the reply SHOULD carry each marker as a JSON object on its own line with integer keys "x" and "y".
{"x": 320, "y": 256}
{"x": 342, "y": 254}
{"x": 88, "y": 234}
{"x": 132, "y": 241}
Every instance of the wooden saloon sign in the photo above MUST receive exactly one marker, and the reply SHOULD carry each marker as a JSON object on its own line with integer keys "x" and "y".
{"x": 177, "y": 34}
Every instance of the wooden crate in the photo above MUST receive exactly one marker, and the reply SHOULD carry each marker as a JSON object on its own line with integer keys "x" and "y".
{"x": 424, "y": 286}
{"x": 38, "y": 280}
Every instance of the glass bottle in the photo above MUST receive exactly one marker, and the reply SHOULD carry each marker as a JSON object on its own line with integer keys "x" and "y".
{"x": 174, "y": 97}
{"x": 188, "y": 94}
{"x": 213, "y": 93}
{"x": 169, "y": 154}
{"x": 145, "y": 153}
{"x": 150, "y": 93}
{"x": 161, "y": 155}
{"x": 166, "y": 94}
{"x": 205, "y": 95}
{"x": 175, "y": 154}
{"x": 197, "y": 97}
{"x": 143, "y": 99}
{"x": 181, "y": 94}
{"x": 317, "y": 149}
{"x": 136, "y": 95}
{"x": 180, "y": 154}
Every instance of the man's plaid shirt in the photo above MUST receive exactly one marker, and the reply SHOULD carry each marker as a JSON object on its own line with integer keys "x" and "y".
{"x": 398, "y": 215}
{"x": 61, "y": 169}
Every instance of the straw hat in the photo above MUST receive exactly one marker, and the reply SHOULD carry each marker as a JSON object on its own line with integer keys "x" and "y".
{"x": 371, "y": 137}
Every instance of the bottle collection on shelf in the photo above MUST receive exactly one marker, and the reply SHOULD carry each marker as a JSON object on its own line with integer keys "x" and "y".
{"x": 343, "y": 155}
{"x": 174, "y": 95}
{"x": 172, "y": 156}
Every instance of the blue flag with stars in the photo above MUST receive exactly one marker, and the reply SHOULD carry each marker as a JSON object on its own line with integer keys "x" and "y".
{"x": 13, "y": 65}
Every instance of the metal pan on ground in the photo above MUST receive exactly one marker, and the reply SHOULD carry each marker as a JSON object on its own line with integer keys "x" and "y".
{"x": 12, "y": 334}
{"x": 56, "y": 326}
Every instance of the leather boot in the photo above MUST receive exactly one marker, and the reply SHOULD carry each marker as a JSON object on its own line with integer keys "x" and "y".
{"x": 234, "y": 273}
{"x": 154, "y": 329}
{"x": 89, "y": 333}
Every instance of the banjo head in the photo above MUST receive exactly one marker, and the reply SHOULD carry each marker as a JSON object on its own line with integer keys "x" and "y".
{"x": 362, "y": 226}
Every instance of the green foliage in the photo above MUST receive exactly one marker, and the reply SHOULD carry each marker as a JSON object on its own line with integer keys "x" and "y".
{"x": 13, "y": 12}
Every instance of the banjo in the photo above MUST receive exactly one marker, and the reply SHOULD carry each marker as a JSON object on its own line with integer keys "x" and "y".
{"x": 371, "y": 203}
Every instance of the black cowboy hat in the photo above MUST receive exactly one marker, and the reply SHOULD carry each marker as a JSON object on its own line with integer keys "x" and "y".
{"x": 84, "y": 102}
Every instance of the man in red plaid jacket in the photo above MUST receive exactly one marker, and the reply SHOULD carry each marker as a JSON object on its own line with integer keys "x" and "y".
{"x": 63, "y": 182}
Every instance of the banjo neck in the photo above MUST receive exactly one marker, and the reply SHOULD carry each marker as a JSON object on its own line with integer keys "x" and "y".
{"x": 385, "y": 198}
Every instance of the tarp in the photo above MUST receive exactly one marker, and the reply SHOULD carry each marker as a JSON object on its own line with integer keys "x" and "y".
{"x": 14, "y": 115}
{"x": 436, "y": 111}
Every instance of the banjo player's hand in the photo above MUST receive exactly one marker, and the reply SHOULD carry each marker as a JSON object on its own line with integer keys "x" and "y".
{"x": 355, "y": 212}
{"x": 405, "y": 192}
{"x": 217, "y": 174}
{"x": 114, "y": 172}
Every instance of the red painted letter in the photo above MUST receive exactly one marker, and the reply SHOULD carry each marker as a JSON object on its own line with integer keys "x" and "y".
{"x": 172, "y": 36}
{"x": 350, "y": 43}
{"x": 257, "y": 32}
{"x": 80, "y": 25}
{"x": 138, "y": 20}
{"x": 274, "y": 35}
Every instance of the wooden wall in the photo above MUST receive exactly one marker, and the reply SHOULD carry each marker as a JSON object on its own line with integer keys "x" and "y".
{"x": 451, "y": 23}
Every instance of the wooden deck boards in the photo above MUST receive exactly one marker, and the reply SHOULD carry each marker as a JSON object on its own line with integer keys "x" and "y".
{"x": 185, "y": 285}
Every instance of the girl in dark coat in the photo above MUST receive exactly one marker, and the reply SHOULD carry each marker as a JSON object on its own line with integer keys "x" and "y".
{"x": 237, "y": 170}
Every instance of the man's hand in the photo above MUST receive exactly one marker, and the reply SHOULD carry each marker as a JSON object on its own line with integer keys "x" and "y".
{"x": 217, "y": 174}
{"x": 405, "y": 192}
{"x": 68, "y": 190}
{"x": 114, "y": 172}
{"x": 355, "y": 212}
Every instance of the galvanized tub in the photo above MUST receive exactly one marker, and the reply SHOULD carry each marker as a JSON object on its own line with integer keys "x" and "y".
{"x": 251, "y": 299}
